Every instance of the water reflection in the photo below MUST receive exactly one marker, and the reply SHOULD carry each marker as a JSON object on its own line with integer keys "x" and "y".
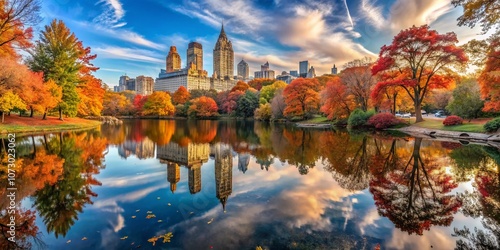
{"x": 236, "y": 184}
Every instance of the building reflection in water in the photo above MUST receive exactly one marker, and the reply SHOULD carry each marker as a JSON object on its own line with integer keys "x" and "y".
{"x": 192, "y": 156}
{"x": 223, "y": 172}
{"x": 143, "y": 150}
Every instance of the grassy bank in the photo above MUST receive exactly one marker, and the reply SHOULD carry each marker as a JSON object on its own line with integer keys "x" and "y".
{"x": 474, "y": 126}
{"x": 316, "y": 120}
{"x": 19, "y": 125}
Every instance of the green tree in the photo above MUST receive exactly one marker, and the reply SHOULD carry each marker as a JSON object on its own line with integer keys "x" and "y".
{"x": 247, "y": 104}
{"x": 484, "y": 12}
{"x": 466, "y": 101}
{"x": 60, "y": 56}
{"x": 267, "y": 92}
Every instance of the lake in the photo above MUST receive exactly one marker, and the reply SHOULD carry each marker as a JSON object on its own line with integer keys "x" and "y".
{"x": 244, "y": 185}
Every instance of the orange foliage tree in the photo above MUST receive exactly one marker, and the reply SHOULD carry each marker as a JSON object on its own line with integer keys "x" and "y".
{"x": 426, "y": 55}
{"x": 260, "y": 82}
{"x": 360, "y": 82}
{"x": 490, "y": 76}
{"x": 203, "y": 107}
{"x": 302, "y": 97}
{"x": 180, "y": 96}
{"x": 159, "y": 103}
{"x": 91, "y": 94}
{"x": 17, "y": 19}
{"x": 240, "y": 86}
{"x": 337, "y": 102}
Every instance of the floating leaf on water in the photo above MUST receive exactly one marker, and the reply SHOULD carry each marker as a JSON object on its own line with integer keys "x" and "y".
{"x": 69, "y": 241}
{"x": 137, "y": 210}
{"x": 157, "y": 198}
{"x": 259, "y": 248}
{"x": 133, "y": 216}
{"x": 210, "y": 221}
{"x": 84, "y": 238}
{"x": 153, "y": 240}
{"x": 191, "y": 213}
{"x": 149, "y": 212}
{"x": 166, "y": 237}
{"x": 169, "y": 204}
{"x": 160, "y": 221}
{"x": 124, "y": 238}
{"x": 150, "y": 216}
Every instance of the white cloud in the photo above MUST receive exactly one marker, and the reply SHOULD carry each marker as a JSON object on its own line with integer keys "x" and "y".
{"x": 128, "y": 54}
{"x": 372, "y": 13}
{"x": 112, "y": 14}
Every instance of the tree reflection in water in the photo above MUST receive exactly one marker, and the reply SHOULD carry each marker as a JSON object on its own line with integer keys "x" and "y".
{"x": 416, "y": 194}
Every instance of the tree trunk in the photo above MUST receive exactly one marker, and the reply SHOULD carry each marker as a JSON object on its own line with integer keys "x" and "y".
{"x": 3, "y": 114}
{"x": 394, "y": 96}
{"x": 31, "y": 111}
{"x": 418, "y": 112}
{"x": 60, "y": 114}
{"x": 44, "y": 115}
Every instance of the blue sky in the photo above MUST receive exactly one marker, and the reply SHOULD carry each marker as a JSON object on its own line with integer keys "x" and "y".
{"x": 133, "y": 37}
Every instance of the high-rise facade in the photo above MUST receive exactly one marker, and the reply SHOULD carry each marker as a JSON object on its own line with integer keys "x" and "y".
{"x": 303, "y": 68}
{"x": 173, "y": 175}
{"x": 311, "y": 73}
{"x": 195, "y": 55}
{"x": 173, "y": 60}
{"x": 144, "y": 85}
{"x": 223, "y": 57}
{"x": 223, "y": 173}
{"x": 243, "y": 69}
{"x": 264, "y": 72}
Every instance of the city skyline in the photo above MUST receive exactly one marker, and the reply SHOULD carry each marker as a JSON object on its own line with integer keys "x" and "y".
{"x": 134, "y": 38}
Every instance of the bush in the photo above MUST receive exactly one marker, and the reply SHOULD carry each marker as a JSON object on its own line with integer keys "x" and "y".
{"x": 383, "y": 121}
{"x": 359, "y": 118}
{"x": 453, "y": 120}
{"x": 493, "y": 125}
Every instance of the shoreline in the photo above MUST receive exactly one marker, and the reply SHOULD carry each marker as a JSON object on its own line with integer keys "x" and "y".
{"x": 21, "y": 130}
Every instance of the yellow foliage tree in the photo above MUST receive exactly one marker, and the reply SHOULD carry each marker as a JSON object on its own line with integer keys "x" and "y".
{"x": 159, "y": 103}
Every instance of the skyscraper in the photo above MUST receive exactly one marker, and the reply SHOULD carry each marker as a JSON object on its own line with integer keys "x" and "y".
{"x": 311, "y": 73}
{"x": 223, "y": 57}
{"x": 195, "y": 55}
{"x": 144, "y": 85}
{"x": 173, "y": 175}
{"x": 264, "y": 72}
{"x": 303, "y": 68}
{"x": 173, "y": 60}
{"x": 243, "y": 69}
{"x": 334, "y": 70}
{"x": 223, "y": 173}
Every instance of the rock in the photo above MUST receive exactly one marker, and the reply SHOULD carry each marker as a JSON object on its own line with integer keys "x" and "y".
{"x": 108, "y": 120}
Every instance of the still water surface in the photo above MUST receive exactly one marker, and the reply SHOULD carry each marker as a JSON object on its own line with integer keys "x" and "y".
{"x": 239, "y": 185}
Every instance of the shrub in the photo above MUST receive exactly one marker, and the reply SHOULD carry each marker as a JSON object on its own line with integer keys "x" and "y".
{"x": 359, "y": 118}
{"x": 453, "y": 120}
{"x": 493, "y": 125}
{"x": 383, "y": 120}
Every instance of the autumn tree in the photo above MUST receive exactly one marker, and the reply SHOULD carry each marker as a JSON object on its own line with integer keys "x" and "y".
{"x": 9, "y": 101}
{"x": 484, "y": 12}
{"x": 50, "y": 97}
{"x": 359, "y": 82}
{"x": 91, "y": 94}
{"x": 278, "y": 105}
{"x": 180, "y": 96}
{"x": 203, "y": 107}
{"x": 466, "y": 101}
{"x": 264, "y": 112}
{"x": 17, "y": 19}
{"x": 490, "y": 76}
{"x": 302, "y": 97}
{"x": 115, "y": 104}
{"x": 240, "y": 86}
{"x": 60, "y": 56}
{"x": 259, "y": 83}
{"x": 338, "y": 102}
{"x": 230, "y": 104}
{"x": 426, "y": 56}
{"x": 267, "y": 92}
{"x": 139, "y": 101}
{"x": 159, "y": 103}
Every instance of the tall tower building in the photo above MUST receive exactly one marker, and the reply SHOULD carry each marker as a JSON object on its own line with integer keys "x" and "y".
{"x": 173, "y": 175}
{"x": 223, "y": 173}
{"x": 173, "y": 60}
{"x": 303, "y": 68}
{"x": 311, "y": 73}
{"x": 194, "y": 178}
{"x": 195, "y": 55}
{"x": 334, "y": 70}
{"x": 223, "y": 57}
{"x": 243, "y": 69}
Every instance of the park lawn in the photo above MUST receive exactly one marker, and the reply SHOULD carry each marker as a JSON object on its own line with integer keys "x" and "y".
{"x": 473, "y": 126}
{"x": 315, "y": 120}
{"x": 17, "y": 124}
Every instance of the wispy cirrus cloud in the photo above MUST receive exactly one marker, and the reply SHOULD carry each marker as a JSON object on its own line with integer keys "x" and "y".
{"x": 112, "y": 15}
{"x": 129, "y": 54}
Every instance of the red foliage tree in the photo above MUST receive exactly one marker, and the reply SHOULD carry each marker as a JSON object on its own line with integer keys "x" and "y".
{"x": 301, "y": 97}
{"x": 490, "y": 77}
{"x": 260, "y": 82}
{"x": 337, "y": 101}
{"x": 383, "y": 120}
{"x": 240, "y": 86}
{"x": 203, "y": 107}
{"x": 425, "y": 57}
{"x": 180, "y": 96}
{"x": 452, "y": 120}
{"x": 139, "y": 101}
{"x": 229, "y": 105}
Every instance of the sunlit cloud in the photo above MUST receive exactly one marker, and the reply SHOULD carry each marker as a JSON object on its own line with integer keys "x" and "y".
{"x": 128, "y": 54}
{"x": 112, "y": 14}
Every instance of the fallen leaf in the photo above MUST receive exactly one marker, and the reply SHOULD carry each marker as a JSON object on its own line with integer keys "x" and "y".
{"x": 169, "y": 204}
{"x": 150, "y": 216}
{"x": 133, "y": 216}
{"x": 84, "y": 238}
{"x": 149, "y": 212}
{"x": 153, "y": 240}
{"x": 210, "y": 221}
{"x": 157, "y": 198}
{"x": 160, "y": 221}
{"x": 69, "y": 241}
{"x": 124, "y": 238}
{"x": 137, "y": 210}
